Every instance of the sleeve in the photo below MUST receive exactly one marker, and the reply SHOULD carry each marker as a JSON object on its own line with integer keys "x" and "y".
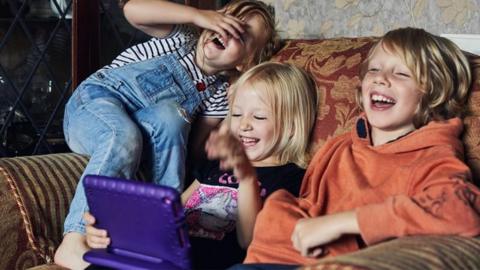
{"x": 180, "y": 36}
{"x": 183, "y": 33}
{"x": 441, "y": 201}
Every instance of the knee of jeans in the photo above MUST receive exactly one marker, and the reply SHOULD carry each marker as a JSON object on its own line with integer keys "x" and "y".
{"x": 128, "y": 142}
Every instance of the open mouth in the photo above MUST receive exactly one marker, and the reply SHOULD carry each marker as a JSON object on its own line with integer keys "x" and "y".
{"x": 219, "y": 43}
{"x": 248, "y": 141}
{"x": 382, "y": 102}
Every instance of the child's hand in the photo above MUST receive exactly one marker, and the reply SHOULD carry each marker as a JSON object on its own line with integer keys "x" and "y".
{"x": 220, "y": 23}
{"x": 310, "y": 234}
{"x": 96, "y": 238}
{"x": 224, "y": 146}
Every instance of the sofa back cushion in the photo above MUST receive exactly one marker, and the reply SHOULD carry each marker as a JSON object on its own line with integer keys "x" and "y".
{"x": 36, "y": 192}
{"x": 335, "y": 65}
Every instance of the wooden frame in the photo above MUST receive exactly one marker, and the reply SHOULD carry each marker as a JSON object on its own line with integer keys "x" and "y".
{"x": 85, "y": 39}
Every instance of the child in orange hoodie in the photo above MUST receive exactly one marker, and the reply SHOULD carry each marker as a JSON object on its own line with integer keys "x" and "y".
{"x": 398, "y": 173}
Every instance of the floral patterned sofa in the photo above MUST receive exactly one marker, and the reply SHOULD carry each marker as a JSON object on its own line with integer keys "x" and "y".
{"x": 35, "y": 191}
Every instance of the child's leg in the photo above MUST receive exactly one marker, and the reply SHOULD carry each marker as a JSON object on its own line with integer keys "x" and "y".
{"x": 70, "y": 252}
{"x": 103, "y": 130}
{"x": 165, "y": 129}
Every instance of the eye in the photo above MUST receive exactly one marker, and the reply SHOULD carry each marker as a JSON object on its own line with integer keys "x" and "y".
{"x": 236, "y": 115}
{"x": 260, "y": 117}
{"x": 403, "y": 74}
{"x": 373, "y": 69}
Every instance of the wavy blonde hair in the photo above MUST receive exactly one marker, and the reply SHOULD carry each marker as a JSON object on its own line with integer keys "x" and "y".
{"x": 438, "y": 66}
{"x": 292, "y": 98}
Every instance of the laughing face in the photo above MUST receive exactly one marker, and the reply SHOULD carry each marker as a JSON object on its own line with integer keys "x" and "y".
{"x": 219, "y": 54}
{"x": 252, "y": 122}
{"x": 390, "y": 96}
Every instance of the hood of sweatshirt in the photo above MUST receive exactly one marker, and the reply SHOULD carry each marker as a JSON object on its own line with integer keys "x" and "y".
{"x": 446, "y": 132}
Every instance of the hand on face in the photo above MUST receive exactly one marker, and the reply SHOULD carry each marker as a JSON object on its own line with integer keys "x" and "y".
{"x": 234, "y": 46}
{"x": 224, "y": 146}
{"x": 220, "y": 23}
{"x": 96, "y": 238}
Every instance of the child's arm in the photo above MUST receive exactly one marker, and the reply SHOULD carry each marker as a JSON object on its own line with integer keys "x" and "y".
{"x": 442, "y": 201}
{"x": 96, "y": 238}
{"x": 310, "y": 234}
{"x": 157, "y": 17}
{"x": 189, "y": 191}
{"x": 224, "y": 146}
{"x": 249, "y": 204}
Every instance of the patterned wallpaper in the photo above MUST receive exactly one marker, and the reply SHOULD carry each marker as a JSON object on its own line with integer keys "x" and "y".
{"x": 336, "y": 18}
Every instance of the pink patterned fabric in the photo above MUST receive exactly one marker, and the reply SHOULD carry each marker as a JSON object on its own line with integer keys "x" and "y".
{"x": 211, "y": 211}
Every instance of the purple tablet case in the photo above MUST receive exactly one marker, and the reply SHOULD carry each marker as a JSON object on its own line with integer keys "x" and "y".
{"x": 145, "y": 223}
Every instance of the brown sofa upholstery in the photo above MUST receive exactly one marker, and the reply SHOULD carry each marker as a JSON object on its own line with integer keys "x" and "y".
{"x": 35, "y": 191}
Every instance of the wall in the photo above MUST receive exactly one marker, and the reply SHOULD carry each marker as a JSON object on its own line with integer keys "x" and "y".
{"x": 335, "y": 18}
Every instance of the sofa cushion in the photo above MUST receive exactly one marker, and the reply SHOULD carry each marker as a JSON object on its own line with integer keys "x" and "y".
{"x": 335, "y": 65}
{"x": 419, "y": 252}
{"x": 36, "y": 192}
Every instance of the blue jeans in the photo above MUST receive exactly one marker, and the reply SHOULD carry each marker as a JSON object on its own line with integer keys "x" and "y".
{"x": 121, "y": 117}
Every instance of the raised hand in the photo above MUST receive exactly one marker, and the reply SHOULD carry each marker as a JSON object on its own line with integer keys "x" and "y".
{"x": 157, "y": 18}
{"x": 96, "y": 238}
{"x": 229, "y": 150}
{"x": 220, "y": 23}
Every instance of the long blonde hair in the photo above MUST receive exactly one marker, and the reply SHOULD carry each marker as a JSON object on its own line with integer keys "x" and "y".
{"x": 439, "y": 67}
{"x": 292, "y": 96}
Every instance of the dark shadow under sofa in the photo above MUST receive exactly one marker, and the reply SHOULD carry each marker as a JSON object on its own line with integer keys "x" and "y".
{"x": 35, "y": 191}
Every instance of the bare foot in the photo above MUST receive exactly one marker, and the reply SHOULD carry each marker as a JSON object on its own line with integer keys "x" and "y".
{"x": 70, "y": 252}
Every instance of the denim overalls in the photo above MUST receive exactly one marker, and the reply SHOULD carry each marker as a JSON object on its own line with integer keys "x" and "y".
{"x": 117, "y": 116}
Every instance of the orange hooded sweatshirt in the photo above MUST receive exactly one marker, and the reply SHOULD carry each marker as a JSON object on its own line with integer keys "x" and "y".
{"x": 414, "y": 185}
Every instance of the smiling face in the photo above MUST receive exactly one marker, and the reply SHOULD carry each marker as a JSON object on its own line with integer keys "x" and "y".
{"x": 390, "y": 95}
{"x": 216, "y": 54}
{"x": 252, "y": 122}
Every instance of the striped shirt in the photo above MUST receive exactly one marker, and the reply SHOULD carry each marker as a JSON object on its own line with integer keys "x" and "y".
{"x": 213, "y": 105}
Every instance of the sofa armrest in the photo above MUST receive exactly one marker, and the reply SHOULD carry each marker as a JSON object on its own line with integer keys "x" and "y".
{"x": 417, "y": 252}
{"x": 35, "y": 194}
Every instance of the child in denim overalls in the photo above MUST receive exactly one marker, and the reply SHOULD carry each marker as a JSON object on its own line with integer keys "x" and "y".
{"x": 141, "y": 106}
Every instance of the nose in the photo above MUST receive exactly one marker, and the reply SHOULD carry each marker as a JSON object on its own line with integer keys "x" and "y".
{"x": 381, "y": 78}
{"x": 245, "y": 124}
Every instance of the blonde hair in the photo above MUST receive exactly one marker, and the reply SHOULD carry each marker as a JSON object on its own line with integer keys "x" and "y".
{"x": 292, "y": 98}
{"x": 243, "y": 9}
{"x": 438, "y": 66}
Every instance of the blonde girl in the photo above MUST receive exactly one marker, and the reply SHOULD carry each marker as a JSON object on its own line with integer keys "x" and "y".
{"x": 261, "y": 147}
